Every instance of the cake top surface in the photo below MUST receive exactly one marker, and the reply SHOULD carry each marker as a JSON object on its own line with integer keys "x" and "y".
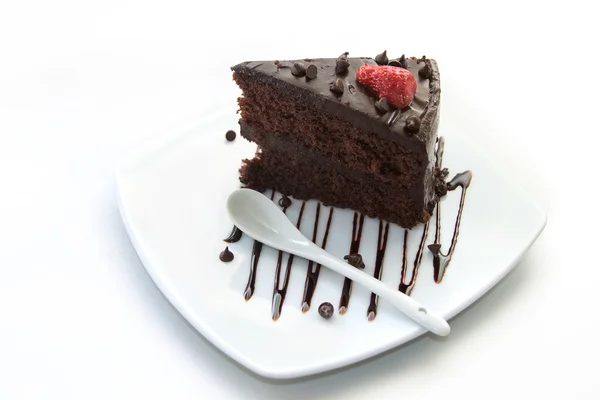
{"x": 332, "y": 83}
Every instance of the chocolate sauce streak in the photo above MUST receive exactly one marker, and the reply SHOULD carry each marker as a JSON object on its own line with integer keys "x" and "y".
{"x": 381, "y": 246}
{"x": 440, "y": 260}
{"x": 312, "y": 275}
{"x": 234, "y": 236}
{"x": 407, "y": 288}
{"x": 354, "y": 247}
{"x": 279, "y": 293}
{"x": 256, "y": 250}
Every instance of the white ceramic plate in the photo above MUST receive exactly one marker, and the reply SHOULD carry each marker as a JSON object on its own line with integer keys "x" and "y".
{"x": 172, "y": 197}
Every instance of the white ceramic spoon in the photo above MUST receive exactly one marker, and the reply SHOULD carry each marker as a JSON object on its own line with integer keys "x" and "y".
{"x": 261, "y": 219}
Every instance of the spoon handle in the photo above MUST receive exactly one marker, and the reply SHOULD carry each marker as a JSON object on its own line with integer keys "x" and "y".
{"x": 410, "y": 307}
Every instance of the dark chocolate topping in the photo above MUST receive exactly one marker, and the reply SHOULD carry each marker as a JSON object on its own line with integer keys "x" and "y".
{"x": 298, "y": 69}
{"x": 230, "y": 135}
{"x": 226, "y": 255}
{"x": 311, "y": 71}
{"x": 326, "y": 310}
{"x": 463, "y": 179}
{"x": 312, "y": 275}
{"x": 355, "y": 260}
{"x": 280, "y": 290}
{"x": 425, "y": 71}
{"x": 382, "y": 105}
{"x": 342, "y": 64}
{"x": 357, "y": 227}
{"x": 285, "y": 202}
{"x": 234, "y": 236}
{"x": 382, "y": 239}
{"x": 395, "y": 63}
{"x": 356, "y": 105}
{"x": 382, "y": 58}
{"x": 402, "y": 61}
{"x": 412, "y": 125}
{"x": 337, "y": 86}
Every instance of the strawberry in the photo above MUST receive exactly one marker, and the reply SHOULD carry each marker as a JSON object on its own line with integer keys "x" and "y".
{"x": 397, "y": 85}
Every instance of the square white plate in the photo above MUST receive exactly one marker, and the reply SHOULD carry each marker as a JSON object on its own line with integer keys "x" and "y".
{"x": 172, "y": 198}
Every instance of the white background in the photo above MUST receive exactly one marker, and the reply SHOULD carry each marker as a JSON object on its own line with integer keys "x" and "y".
{"x": 82, "y": 83}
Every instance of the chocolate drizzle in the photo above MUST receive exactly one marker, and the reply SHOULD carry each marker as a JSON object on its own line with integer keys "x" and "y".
{"x": 407, "y": 288}
{"x": 354, "y": 247}
{"x": 381, "y": 246}
{"x": 279, "y": 293}
{"x": 312, "y": 275}
{"x": 441, "y": 260}
{"x": 256, "y": 250}
{"x": 234, "y": 236}
{"x": 407, "y": 278}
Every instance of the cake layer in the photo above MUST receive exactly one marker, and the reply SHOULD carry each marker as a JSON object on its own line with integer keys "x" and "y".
{"x": 281, "y": 144}
{"x": 333, "y": 187}
{"x": 289, "y": 121}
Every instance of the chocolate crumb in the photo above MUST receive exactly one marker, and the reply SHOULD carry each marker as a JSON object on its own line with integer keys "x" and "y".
{"x": 326, "y": 310}
{"x": 311, "y": 71}
{"x": 355, "y": 260}
{"x": 226, "y": 255}
{"x": 382, "y": 58}
{"x": 413, "y": 124}
{"x": 382, "y": 105}
{"x": 298, "y": 69}
{"x": 337, "y": 86}
{"x": 284, "y": 202}
{"x": 230, "y": 135}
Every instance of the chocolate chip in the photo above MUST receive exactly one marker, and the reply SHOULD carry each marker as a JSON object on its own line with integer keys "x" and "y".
{"x": 342, "y": 64}
{"x": 230, "y": 136}
{"x": 298, "y": 69}
{"x": 402, "y": 61}
{"x": 441, "y": 187}
{"x": 382, "y": 58}
{"x": 425, "y": 71}
{"x": 395, "y": 63}
{"x": 226, "y": 255}
{"x": 413, "y": 124}
{"x": 285, "y": 202}
{"x": 355, "y": 260}
{"x": 382, "y": 105}
{"x": 337, "y": 86}
{"x": 326, "y": 310}
{"x": 311, "y": 71}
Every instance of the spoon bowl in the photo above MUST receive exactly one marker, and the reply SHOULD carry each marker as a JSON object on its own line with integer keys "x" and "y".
{"x": 263, "y": 220}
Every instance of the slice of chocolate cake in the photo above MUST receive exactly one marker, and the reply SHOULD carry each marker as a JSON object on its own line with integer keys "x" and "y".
{"x": 355, "y": 133}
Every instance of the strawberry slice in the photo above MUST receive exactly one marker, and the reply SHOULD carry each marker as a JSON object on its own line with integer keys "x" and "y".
{"x": 397, "y": 85}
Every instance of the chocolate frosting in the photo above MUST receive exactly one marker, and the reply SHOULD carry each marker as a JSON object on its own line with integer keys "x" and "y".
{"x": 357, "y": 103}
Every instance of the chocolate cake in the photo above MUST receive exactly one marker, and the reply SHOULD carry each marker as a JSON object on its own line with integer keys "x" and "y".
{"x": 356, "y": 133}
